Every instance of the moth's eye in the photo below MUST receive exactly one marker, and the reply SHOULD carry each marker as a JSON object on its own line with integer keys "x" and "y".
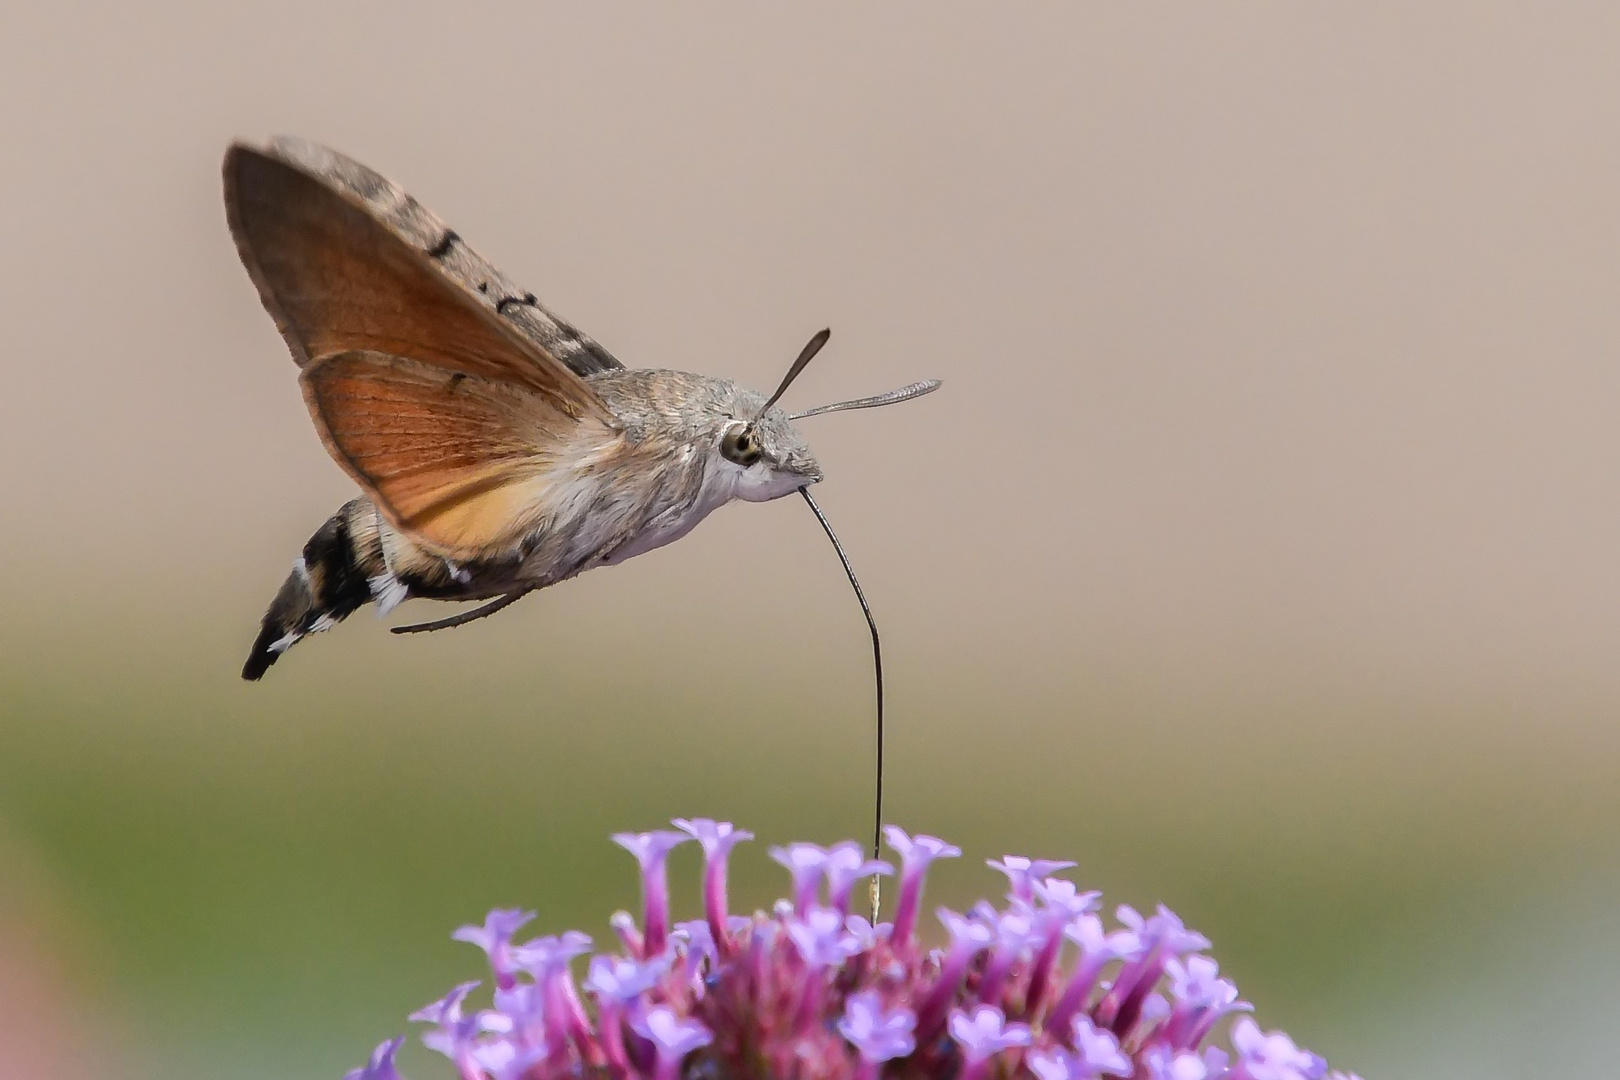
{"x": 740, "y": 444}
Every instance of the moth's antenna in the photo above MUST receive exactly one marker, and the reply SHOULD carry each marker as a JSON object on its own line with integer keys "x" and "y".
{"x": 806, "y": 354}
{"x": 877, "y": 663}
{"x": 905, "y": 393}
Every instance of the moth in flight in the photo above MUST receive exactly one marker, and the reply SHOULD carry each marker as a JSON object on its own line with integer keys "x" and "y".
{"x": 498, "y": 449}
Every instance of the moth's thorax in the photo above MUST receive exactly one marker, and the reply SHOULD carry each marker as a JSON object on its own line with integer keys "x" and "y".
{"x": 662, "y": 477}
{"x": 670, "y": 474}
{"x": 678, "y": 408}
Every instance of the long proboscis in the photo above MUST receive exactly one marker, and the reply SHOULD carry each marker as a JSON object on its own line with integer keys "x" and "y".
{"x": 877, "y": 671}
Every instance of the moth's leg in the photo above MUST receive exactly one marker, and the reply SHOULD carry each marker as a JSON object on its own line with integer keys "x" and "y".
{"x": 464, "y": 617}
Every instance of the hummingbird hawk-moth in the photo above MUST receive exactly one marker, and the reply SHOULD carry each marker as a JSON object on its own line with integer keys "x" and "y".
{"x": 498, "y": 449}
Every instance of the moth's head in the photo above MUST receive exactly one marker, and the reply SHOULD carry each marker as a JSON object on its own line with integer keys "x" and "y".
{"x": 759, "y": 438}
{"x": 739, "y": 432}
{"x": 760, "y": 450}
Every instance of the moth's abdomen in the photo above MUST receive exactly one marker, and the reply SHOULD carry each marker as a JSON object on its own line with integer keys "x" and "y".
{"x": 341, "y": 568}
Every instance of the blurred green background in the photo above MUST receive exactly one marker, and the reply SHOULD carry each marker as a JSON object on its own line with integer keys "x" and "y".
{"x": 1259, "y": 554}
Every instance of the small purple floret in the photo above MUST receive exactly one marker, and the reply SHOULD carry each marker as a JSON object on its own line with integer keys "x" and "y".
{"x": 969, "y": 937}
{"x": 524, "y": 1005}
{"x": 447, "y": 1010}
{"x": 546, "y": 960}
{"x": 1098, "y": 948}
{"x": 821, "y": 938}
{"x": 698, "y": 941}
{"x": 1015, "y": 931}
{"x": 1061, "y": 902}
{"x": 624, "y": 980}
{"x": 1088, "y": 933}
{"x": 651, "y": 850}
{"x": 672, "y": 1038}
{"x": 1163, "y": 937}
{"x": 1054, "y": 1064}
{"x": 878, "y": 1034}
{"x": 544, "y": 956}
{"x": 1164, "y": 929}
{"x": 1202, "y": 998}
{"x": 915, "y": 855}
{"x": 865, "y": 935}
{"x": 1197, "y": 983}
{"x": 982, "y": 1035}
{"x": 455, "y": 1033}
{"x": 1097, "y": 1051}
{"x": 985, "y": 1031}
{"x": 381, "y": 1065}
{"x": 1163, "y": 1063}
{"x": 1272, "y": 1055}
{"x": 846, "y": 864}
{"x": 1064, "y": 899}
{"x": 1022, "y": 873}
{"x": 495, "y": 938}
{"x": 717, "y": 838}
{"x": 807, "y": 863}
{"x": 503, "y": 1060}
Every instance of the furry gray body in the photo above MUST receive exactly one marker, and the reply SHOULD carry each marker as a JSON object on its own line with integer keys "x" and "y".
{"x": 666, "y": 477}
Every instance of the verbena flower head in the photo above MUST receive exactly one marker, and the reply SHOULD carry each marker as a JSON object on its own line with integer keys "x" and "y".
{"x": 1041, "y": 989}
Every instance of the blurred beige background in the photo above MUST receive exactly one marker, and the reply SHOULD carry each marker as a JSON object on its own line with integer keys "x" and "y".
{"x": 1262, "y": 551}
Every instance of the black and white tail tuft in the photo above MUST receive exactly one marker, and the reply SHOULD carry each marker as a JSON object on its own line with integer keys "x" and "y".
{"x": 327, "y": 583}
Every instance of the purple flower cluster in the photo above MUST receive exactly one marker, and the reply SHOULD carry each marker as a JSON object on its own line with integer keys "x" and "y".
{"x": 1040, "y": 988}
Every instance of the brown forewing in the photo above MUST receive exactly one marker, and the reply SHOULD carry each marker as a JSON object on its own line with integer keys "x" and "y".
{"x": 423, "y": 232}
{"x": 337, "y": 278}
